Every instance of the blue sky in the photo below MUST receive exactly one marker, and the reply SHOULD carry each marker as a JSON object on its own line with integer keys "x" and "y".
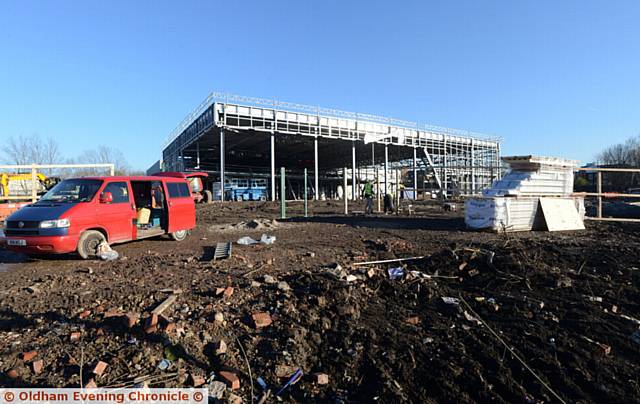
{"x": 559, "y": 78}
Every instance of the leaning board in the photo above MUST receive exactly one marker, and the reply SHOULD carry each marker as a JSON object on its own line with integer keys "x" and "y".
{"x": 561, "y": 214}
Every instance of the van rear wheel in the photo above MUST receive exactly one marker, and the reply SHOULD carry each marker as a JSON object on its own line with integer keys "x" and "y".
{"x": 89, "y": 242}
{"x": 179, "y": 235}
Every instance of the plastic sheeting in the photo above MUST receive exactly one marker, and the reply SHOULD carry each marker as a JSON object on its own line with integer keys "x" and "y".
{"x": 512, "y": 214}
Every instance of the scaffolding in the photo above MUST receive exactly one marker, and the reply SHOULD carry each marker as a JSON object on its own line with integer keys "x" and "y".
{"x": 451, "y": 160}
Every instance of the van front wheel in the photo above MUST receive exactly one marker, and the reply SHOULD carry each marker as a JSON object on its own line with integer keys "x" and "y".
{"x": 89, "y": 242}
{"x": 179, "y": 235}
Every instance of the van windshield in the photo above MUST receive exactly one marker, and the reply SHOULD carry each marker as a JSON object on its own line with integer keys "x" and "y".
{"x": 78, "y": 190}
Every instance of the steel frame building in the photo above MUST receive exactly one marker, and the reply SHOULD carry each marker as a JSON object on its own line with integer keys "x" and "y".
{"x": 230, "y": 134}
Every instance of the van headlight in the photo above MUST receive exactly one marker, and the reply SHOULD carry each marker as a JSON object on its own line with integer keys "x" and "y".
{"x": 50, "y": 224}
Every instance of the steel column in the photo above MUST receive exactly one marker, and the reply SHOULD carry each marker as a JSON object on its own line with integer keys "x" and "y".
{"x": 315, "y": 172}
{"x": 473, "y": 171}
{"x": 273, "y": 167}
{"x": 415, "y": 174}
{"x": 306, "y": 207}
{"x": 373, "y": 154}
{"x": 378, "y": 187}
{"x": 344, "y": 194}
{"x": 222, "y": 164}
{"x": 283, "y": 196}
{"x": 198, "y": 155}
{"x": 353, "y": 171}
{"x": 386, "y": 168}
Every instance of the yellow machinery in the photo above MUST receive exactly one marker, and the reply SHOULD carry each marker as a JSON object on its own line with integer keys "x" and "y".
{"x": 18, "y": 185}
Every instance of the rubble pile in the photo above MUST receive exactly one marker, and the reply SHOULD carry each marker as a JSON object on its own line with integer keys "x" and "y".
{"x": 483, "y": 318}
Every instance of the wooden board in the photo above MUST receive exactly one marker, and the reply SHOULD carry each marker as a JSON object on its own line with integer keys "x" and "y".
{"x": 561, "y": 214}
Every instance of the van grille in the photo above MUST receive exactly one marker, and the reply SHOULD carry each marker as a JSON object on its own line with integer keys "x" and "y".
{"x": 27, "y": 224}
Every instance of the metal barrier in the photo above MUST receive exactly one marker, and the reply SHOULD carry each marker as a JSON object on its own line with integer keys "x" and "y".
{"x": 599, "y": 194}
{"x": 34, "y": 178}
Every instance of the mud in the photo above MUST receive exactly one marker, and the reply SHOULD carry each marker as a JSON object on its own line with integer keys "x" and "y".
{"x": 536, "y": 317}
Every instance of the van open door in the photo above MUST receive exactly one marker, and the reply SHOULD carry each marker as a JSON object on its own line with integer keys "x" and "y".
{"x": 181, "y": 206}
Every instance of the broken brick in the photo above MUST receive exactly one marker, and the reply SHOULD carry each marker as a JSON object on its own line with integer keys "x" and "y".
{"x": 152, "y": 324}
{"x": 99, "y": 369}
{"x": 321, "y": 378}
{"x": 131, "y": 319}
{"x": 231, "y": 378}
{"x": 75, "y": 336}
{"x": 415, "y": 320}
{"x": 37, "y": 366}
{"x": 12, "y": 374}
{"x": 85, "y": 314}
{"x": 228, "y": 291}
{"x": 261, "y": 319}
{"x": 27, "y": 356}
{"x": 152, "y": 320}
{"x": 170, "y": 327}
{"x": 197, "y": 380}
{"x": 91, "y": 384}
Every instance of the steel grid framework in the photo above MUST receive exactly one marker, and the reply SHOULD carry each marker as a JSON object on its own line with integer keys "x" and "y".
{"x": 458, "y": 160}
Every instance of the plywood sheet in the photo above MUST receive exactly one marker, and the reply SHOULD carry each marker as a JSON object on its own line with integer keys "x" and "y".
{"x": 561, "y": 214}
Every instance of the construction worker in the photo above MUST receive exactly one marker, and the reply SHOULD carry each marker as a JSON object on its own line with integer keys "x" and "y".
{"x": 367, "y": 194}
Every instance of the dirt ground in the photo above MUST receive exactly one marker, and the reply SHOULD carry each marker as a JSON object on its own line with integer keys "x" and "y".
{"x": 528, "y": 317}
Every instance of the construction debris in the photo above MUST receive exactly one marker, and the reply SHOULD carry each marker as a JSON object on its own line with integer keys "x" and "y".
{"x": 359, "y": 335}
{"x": 222, "y": 251}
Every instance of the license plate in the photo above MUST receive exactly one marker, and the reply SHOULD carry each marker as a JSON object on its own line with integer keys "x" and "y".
{"x": 17, "y": 242}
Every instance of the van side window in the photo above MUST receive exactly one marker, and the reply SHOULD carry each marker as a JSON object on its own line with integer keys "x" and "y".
{"x": 178, "y": 190}
{"x": 119, "y": 191}
{"x": 184, "y": 190}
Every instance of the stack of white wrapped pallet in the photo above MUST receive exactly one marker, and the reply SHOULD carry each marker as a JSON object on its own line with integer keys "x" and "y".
{"x": 536, "y": 194}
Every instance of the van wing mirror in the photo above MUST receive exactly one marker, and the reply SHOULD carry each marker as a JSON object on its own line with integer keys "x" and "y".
{"x": 106, "y": 197}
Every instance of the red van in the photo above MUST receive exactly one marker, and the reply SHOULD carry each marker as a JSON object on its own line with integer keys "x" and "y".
{"x": 78, "y": 214}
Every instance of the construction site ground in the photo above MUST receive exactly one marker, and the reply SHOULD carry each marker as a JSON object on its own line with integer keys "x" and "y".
{"x": 527, "y": 317}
